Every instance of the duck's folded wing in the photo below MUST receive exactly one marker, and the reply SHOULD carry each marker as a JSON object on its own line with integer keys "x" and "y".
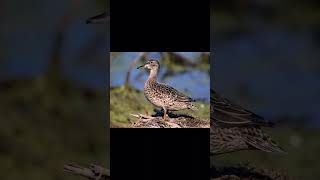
{"x": 174, "y": 94}
{"x": 227, "y": 113}
{"x": 260, "y": 140}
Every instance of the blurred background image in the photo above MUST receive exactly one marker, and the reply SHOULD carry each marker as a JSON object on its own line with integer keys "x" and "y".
{"x": 53, "y": 81}
{"x": 187, "y": 72}
{"x": 266, "y": 58}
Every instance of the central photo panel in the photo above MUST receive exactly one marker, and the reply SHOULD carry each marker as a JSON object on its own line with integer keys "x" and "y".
{"x": 159, "y": 90}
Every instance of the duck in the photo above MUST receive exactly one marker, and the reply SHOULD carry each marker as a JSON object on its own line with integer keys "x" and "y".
{"x": 162, "y": 95}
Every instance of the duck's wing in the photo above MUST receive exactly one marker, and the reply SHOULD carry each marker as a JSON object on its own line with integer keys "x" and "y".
{"x": 172, "y": 93}
{"x": 225, "y": 113}
{"x": 225, "y": 140}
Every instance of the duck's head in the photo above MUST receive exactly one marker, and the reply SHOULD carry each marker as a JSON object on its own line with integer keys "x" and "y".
{"x": 152, "y": 64}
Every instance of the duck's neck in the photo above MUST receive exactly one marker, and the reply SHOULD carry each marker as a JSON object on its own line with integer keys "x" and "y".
{"x": 153, "y": 75}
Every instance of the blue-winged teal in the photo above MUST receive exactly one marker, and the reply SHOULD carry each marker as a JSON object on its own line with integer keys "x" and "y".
{"x": 162, "y": 95}
{"x": 234, "y": 128}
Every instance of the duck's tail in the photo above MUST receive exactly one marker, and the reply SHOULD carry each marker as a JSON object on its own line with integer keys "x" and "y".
{"x": 260, "y": 140}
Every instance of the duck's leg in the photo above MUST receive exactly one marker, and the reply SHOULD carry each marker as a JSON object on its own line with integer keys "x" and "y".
{"x": 165, "y": 115}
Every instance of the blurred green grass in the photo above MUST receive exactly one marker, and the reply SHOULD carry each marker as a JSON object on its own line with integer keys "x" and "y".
{"x": 46, "y": 123}
{"x": 125, "y": 100}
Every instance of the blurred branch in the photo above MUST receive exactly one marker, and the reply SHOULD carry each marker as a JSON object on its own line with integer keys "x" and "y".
{"x": 93, "y": 172}
{"x": 54, "y": 65}
{"x": 170, "y": 73}
{"x": 133, "y": 64}
{"x": 178, "y": 59}
{"x": 178, "y": 64}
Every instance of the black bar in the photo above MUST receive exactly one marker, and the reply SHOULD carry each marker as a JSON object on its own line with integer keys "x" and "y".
{"x": 160, "y": 26}
{"x": 160, "y": 154}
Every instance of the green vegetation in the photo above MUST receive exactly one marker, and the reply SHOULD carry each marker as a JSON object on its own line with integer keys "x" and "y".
{"x": 125, "y": 100}
{"x": 48, "y": 122}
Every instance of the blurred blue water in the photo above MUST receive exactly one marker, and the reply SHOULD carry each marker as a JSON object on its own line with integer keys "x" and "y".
{"x": 279, "y": 68}
{"x": 194, "y": 83}
{"x": 29, "y": 31}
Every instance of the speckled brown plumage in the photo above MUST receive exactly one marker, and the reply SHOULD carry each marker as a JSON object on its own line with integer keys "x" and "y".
{"x": 162, "y": 95}
{"x": 234, "y": 128}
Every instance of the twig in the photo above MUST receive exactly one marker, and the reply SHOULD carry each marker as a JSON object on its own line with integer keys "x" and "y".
{"x": 140, "y": 116}
{"x": 132, "y": 65}
{"x": 179, "y": 59}
{"x": 93, "y": 172}
{"x": 181, "y": 121}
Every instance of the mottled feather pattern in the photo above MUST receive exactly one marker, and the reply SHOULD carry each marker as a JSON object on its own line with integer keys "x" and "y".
{"x": 234, "y": 128}
{"x": 226, "y": 139}
{"x": 162, "y": 95}
{"x": 227, "y": 113}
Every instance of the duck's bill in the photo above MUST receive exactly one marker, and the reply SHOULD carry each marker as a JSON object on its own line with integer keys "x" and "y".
{"x": 101, "y": 18}
{"x": 140, "y": 66}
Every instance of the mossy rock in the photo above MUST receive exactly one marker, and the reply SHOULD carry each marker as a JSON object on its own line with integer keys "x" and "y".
{"x": 179, "y": 121}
